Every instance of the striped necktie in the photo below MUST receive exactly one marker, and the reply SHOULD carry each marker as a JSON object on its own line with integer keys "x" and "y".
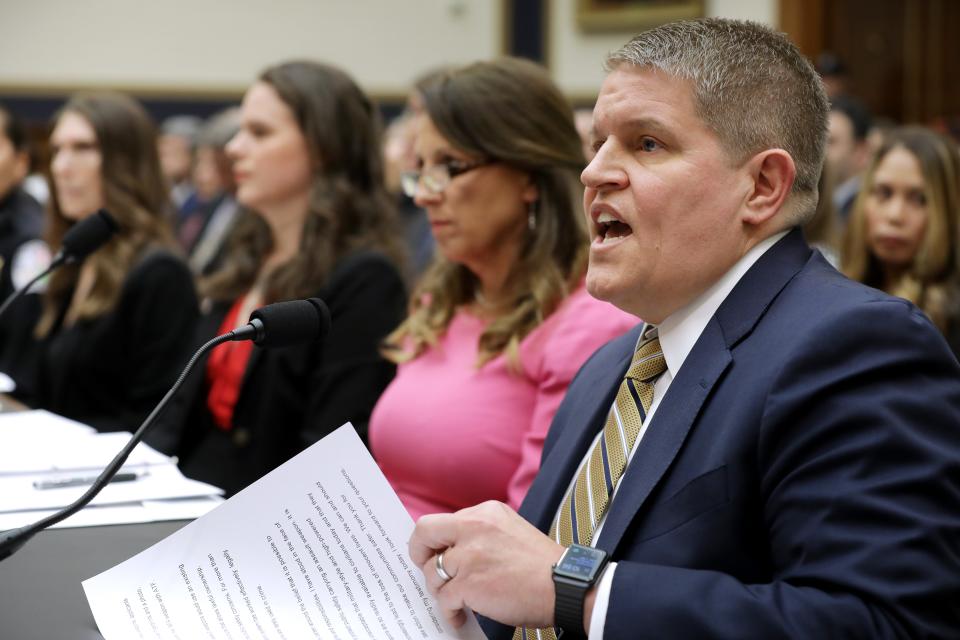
{"x": 587, "y": 501}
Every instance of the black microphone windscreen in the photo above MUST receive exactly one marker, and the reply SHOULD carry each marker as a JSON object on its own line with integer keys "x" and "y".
{"x": 293, "y": 322}
{"x": 88, "y": 235}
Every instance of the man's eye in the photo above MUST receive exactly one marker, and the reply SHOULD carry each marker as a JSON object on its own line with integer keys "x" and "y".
{"x": 648, "y": 144}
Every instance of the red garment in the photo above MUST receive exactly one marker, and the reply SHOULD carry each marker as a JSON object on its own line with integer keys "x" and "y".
{"x": 225, "y": 368}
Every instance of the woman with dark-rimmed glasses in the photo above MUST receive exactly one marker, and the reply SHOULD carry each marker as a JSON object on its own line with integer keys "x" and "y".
{"x": 501, "y": 322}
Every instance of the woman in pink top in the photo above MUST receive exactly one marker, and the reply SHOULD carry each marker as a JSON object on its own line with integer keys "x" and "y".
{"x": 501, "y": 322}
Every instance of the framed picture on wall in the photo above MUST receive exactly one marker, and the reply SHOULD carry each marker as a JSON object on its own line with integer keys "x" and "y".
{"x": 634, "y": 15}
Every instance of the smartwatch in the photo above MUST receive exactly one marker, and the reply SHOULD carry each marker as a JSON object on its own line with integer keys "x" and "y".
{"x": 577, "y": 571}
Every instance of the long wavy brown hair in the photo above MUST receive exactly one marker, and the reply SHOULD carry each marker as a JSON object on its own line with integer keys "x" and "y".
{"x": 931, "y": 282}
{"x": 349, "y": 208}
{"x": 508, "y": 111}
{"x": 134, "y": 193}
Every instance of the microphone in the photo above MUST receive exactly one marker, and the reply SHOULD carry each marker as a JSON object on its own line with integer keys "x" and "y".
{"x": 79, "y": 241}
{"x": 281, "y": 324}
{"x": 85, "y": 237}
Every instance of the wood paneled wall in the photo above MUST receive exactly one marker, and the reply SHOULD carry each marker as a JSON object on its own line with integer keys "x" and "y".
{"x": 901, "y": 55}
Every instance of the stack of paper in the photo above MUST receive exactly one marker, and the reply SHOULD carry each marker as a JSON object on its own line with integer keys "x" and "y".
{"x": 49, "y": 461}
{"x": 317, "y": 548}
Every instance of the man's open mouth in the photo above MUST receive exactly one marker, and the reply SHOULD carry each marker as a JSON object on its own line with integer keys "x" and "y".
{"x": 610, "y": 228}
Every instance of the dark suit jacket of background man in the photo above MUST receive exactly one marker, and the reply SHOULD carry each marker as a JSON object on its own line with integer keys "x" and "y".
{"x": 800, "y": 477}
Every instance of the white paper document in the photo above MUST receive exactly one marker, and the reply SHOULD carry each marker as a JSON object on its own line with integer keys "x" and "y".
{"x": 26, "y": 492}
{"x": 30, "y": 452}
{"x": 315, "y": 549}
{"x": 38, "y": 425}
{"x": 97, "y": 516}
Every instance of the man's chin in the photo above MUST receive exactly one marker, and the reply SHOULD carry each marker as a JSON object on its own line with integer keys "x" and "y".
{"x": 613, "y": 291}
{"x": 601, "y": 287}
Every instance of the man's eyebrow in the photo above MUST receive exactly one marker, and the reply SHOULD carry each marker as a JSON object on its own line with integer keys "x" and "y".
{"x": 642, "y": 123}
{"x": 645, "y": 122}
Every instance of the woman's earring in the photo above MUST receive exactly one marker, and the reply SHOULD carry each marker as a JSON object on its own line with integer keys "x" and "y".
{"x": 532, "y": 216}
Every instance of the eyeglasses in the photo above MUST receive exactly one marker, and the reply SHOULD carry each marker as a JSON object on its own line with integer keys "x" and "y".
{"x": 436, "y": 178}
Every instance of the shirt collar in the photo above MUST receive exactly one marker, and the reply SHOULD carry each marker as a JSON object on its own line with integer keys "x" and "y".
{"x": 681, "y": 329}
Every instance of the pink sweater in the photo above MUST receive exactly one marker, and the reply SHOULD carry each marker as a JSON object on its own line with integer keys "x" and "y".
{"x": 448, "y": 435}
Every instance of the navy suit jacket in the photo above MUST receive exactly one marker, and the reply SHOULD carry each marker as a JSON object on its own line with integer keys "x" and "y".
{"x": 800, "y": 478}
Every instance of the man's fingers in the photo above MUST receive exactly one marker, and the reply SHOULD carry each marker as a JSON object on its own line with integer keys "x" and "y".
{"x": 458, "y": 619}
{"x": 429, "y": 569}
{"x": 432, "y": 576}
{"x": 433, "y": 534}
{"x": 450, "y": 600}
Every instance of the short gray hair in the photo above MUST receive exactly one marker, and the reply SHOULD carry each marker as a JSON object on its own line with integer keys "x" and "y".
{"x": 751, "y": 87}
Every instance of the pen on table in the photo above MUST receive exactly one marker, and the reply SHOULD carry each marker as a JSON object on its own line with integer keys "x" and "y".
{"x": 79, "y": 481}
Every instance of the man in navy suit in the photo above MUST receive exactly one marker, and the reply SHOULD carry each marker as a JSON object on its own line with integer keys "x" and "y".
{"x": 797, "y": 470}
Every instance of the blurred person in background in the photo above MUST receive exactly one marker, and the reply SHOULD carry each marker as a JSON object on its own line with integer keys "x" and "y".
{"x": 583, "y": 119}
{"x": 501, "y": 322}
{"x": 848, "y": 151}
{"x": 176, "y": 144}
{"x": 308, "y": 165}
{"x": 833, "y": 73}
{"x": 399, "y": 157}
{"x": 902, "y": 237}
{"x": 21, "y": 217}
{"x": 113, "y": 328}
{"x": 22, "y": 253}
{"x": 203, "y": 232}
{"x": 822, "y": 231}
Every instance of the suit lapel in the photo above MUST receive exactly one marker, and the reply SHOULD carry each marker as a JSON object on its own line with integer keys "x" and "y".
{"x": 701, "y": 370}
{"x": 585, "y": 411}
{"x": 669, "y": 428}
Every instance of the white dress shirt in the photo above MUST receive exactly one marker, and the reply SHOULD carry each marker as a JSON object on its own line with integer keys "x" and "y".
{"x": 678, "y": 334}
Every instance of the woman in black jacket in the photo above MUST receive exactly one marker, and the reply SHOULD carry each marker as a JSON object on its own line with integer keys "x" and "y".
{"x": 319, "y": 223}
{"x": 113, "y": 328}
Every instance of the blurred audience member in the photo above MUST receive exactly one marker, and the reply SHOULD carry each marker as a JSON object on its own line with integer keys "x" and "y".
{"x": 22, "y": 254}
{"x": 821, "y": 231}
{"x": 902, "y": 236}
{"x": 399, "y": 157}
{"x": 308, "y": 164}
{"x": 202, "y": 232}
{"x": 176, "y": 144}
{"x": 583, "y": 119}
{"x": 501, "y": 322}
{"x": 880, "y": 126}
{"x": 114, "y": 327}
{"x": 848, "y": 152}
{"x": 35, "y": 184}
{"x": 833, "y": 73}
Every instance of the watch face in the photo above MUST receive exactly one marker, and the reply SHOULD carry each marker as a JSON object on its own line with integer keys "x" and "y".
{"x": 581, "y": 563}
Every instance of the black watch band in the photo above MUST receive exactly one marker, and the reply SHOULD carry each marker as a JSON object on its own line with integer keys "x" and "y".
{"x": 573, "y": 576}
{"x": 568, "y": 603}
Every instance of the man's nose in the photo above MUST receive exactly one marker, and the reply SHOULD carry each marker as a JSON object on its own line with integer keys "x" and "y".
{"x": 605, "y": 171}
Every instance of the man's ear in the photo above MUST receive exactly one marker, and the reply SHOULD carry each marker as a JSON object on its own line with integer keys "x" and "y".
{"x": 772, "y": 172}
